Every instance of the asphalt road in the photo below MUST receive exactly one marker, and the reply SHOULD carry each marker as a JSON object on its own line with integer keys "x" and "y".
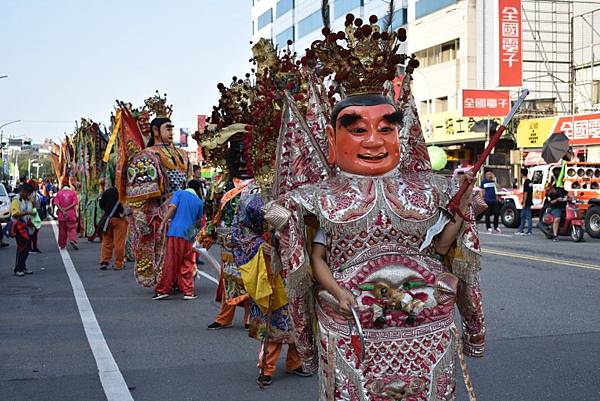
{"x": 541, "y": 302}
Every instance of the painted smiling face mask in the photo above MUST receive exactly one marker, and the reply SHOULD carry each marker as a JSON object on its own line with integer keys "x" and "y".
{"x": 365, "y": 139}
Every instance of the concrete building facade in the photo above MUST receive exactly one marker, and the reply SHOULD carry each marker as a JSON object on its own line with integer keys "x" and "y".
{"x": 458, "y": 45}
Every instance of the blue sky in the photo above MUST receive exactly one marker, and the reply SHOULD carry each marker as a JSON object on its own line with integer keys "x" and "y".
{"x": 68, "y": 59}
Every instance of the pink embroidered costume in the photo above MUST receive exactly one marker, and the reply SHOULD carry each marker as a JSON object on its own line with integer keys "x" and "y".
{"x": 402, "y": 343}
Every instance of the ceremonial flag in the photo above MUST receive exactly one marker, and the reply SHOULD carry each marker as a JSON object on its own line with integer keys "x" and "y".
{"x": 130, "y": 143}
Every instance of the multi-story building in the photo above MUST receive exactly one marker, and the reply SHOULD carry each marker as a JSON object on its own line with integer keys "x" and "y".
{"x": 460, "y": 46}
{"x": 301, "y": 20}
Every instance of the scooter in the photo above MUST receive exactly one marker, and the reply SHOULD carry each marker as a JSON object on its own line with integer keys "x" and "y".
{"x": 571, "y": 224}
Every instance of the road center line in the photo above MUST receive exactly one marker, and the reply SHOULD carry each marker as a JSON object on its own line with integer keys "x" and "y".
{"x": 111, "y": 378}
{"x": 542, "y": 259}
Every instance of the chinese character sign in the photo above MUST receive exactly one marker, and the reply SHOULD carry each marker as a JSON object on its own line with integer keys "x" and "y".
{"x": 510, "y": 43}
{"x": 483, "y": 103}
{"x": 583, "y": 129}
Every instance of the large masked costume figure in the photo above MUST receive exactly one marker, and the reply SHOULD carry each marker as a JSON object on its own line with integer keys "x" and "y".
{"x": 90, "y": 143}
{"x": 384, "y": 310}
{"x": 152, "y": 175}
{"x": 223, "y": 142}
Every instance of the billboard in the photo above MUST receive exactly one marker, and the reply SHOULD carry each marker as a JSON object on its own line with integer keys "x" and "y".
{"x": 510, "y": 43}
{"x": 483, "y": 103}
{"x": 582, "y": 129}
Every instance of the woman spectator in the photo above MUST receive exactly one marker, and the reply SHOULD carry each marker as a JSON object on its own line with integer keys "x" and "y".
{"x": 66, "y": 200}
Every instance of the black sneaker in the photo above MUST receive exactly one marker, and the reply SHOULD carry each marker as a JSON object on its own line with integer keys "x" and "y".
{"x": 103, "y": 266}
{"x": 36, "y": 250}
{"x": 246, "y": 327}
{"x": 264, "y": 380}
{"x": 217, "y": 326}
{"x": 27, "y": 271}
{"x": 158, "y": 297}
{"x": 555, "y": 239}
{"x": 299, "y": 372}
{"x": 4, "y": 245}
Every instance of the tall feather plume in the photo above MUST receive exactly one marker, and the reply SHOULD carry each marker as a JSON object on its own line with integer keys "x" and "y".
{"x": 325, "y": 13}
{"x": 389, "y": 17}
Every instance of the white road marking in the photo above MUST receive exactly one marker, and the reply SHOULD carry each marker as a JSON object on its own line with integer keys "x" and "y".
{"x": 111, "y": 378}
{"x": 497, "y": 235}
{"x": 538, "y": 258}
{"x": 208, "y": 276}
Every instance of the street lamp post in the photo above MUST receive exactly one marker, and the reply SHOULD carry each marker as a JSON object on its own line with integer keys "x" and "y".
{"x": 2, "y": 140}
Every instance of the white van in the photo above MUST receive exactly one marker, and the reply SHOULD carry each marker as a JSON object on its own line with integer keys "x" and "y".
{"x": 4, "y": 204}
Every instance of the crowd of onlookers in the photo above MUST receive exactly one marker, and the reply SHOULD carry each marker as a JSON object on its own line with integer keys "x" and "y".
{"x": 31, "y": 203}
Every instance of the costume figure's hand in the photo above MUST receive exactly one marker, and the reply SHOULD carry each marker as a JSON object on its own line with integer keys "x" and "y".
{"x": 346, "y": 302}
{"x": 465, "y": 202}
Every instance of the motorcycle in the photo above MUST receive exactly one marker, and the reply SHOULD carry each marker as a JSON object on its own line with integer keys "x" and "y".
{"x": 571, "y": 223}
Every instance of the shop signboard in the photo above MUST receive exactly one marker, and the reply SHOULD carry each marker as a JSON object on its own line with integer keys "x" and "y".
{"x": 510, "y": 43}
{"x": 483, "y": 103}
{"x": 449, "y": 127}
{"x": 582, "y": 129}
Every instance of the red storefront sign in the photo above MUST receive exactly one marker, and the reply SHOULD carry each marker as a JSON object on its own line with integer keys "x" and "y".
{"x": 583, "y": 129}
{"x": 483, "y": 103}
{"x": 510, "y": 43}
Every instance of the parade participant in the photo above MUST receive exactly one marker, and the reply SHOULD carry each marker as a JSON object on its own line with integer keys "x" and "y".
{"x": 113, "y": 229}
{"x": 223, "y": 143}
{"x": 152, "y": 176}
{"x": 269, "y": 320}
{"x": 184, "y": 218}
{"x": 22, "y": 228}
{"x": 230, "y": 292}
{"x": 67, "y": 201}
{"x": 384, "y": 309}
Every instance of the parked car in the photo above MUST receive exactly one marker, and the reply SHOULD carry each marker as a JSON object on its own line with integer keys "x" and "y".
{"x": 4, "y": 204}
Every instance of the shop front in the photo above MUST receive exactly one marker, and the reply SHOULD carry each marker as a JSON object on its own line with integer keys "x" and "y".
{"x": 464, "y": 138}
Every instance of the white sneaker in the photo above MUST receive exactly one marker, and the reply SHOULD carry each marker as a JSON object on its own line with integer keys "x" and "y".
{"x": 497, "y": 230}
{"x": 519, "y": 233}
{"x": 190, "y": 297}
{"x": 490, "y": 230}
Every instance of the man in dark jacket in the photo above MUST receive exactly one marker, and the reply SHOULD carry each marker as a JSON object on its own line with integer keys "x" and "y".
{"x": 115, "y": 236}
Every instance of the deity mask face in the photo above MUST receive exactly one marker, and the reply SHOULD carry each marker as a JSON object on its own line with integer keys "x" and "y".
{"x": 161, "y": 131}
{"x": 365, "y": 140}
{"x": 166, "y": 133}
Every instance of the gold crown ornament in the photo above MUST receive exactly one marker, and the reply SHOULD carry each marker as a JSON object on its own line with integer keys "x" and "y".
{"x": 364, "y": 61}
{"x": 276, "y": 74}
{"x": 157, "y": 104}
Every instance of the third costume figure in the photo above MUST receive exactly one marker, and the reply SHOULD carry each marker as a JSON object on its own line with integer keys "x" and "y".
{"x": 152, "y": 175}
